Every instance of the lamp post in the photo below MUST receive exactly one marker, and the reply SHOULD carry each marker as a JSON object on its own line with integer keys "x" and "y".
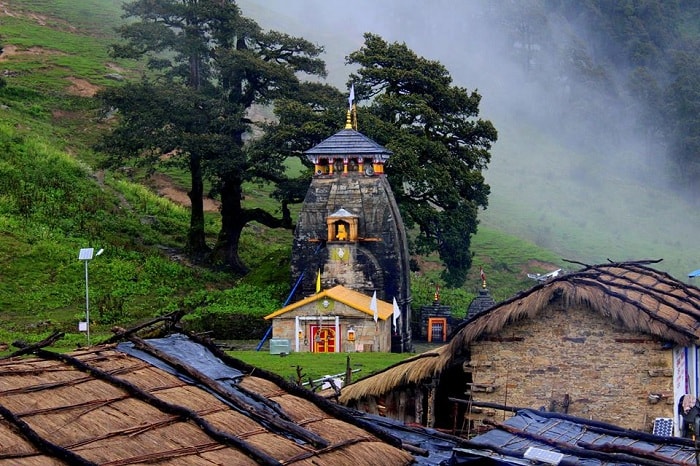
{"x": 86, "y": 255}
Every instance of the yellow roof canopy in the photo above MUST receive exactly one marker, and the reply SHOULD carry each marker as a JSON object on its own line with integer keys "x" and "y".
{"x": 349, "y": 297}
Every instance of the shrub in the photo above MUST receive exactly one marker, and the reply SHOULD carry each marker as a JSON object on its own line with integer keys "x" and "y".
{"x": 237, "y": 313}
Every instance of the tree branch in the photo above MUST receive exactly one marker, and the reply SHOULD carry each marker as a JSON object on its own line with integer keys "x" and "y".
{"x": 265, "y": 218}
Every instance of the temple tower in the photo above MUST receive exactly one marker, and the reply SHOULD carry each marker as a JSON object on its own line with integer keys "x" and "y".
{"x": 350, "y": 229}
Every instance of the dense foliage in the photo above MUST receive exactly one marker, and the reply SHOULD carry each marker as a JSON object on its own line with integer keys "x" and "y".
{"x": 236, "y": 314}
{"x": 196, "y": 113}
{"x": 440, "y": 147}
{"x": 209, "y": 67}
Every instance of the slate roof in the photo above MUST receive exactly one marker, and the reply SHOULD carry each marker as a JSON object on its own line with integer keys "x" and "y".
{"x": 172, "y": 401}
{"x": 348, "y": 142}
{"x": 580, "y": 441}
{"x": 352, "y": 298}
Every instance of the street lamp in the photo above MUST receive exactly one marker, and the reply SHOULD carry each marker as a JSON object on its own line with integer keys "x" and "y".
{"x": 86, "y": 255}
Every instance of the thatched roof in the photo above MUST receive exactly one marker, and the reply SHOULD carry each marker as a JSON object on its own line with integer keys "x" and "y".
{"x": 630, "y": 294}
{"x": 169, "y": 402}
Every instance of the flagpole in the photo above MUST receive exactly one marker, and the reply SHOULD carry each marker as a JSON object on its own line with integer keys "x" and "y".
{"x": 352, "y": 107}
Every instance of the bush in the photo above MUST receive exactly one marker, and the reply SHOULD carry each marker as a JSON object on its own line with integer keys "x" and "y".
{"x": 237, "y": 313}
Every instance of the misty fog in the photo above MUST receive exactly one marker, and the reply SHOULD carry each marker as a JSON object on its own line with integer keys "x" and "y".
{"x": 572, "y": 169}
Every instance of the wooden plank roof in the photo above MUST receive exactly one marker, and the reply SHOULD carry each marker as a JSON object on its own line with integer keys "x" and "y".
{"x": 631, "y": 294}
{"x": 352, "y": 298}
{"x": 111, "y": 406}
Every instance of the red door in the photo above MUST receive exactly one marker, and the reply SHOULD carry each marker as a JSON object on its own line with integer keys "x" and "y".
{"x": 437, "y": 329}
{"x": 323, "y": 338}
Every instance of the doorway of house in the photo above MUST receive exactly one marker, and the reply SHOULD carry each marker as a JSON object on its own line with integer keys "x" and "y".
{"x": 323, "y": 338}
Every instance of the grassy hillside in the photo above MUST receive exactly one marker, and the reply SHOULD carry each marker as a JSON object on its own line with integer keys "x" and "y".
{"x": 54, "y": 202}
{"x": 589, "y": 207}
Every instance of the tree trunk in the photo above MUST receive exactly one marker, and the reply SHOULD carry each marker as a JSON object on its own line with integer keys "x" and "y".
{"x": 233, "y": 219}
{"x": 196, "y": 239}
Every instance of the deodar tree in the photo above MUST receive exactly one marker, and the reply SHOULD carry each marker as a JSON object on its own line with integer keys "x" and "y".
{"x": 440, "y": 146}
{"x": 209, "y": 66}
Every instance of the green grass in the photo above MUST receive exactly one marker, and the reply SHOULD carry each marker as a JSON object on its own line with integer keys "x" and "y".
{"x": 94, "y": 17}
{"x": 588, "y": 207}
{"x": 311, "y": 366}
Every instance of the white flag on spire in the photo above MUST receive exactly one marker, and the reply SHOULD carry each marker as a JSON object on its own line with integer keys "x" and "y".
{"x": 373, "y": 306}
{"x": 397, "y": 312}
{"x": 351, "y": 99}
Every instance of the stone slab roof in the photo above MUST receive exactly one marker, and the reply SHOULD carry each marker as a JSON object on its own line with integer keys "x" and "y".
{"x": 348, "y": 142}
{"x": 570, "y": 440}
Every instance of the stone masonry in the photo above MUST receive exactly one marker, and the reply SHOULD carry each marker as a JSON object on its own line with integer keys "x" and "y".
{"x": 576, "y": 361}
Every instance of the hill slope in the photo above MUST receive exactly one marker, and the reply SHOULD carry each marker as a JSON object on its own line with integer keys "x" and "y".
{"x": 54, "y": 202}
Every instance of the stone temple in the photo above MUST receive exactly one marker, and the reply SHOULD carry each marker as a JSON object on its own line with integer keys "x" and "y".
{"x": 350, "y": 230}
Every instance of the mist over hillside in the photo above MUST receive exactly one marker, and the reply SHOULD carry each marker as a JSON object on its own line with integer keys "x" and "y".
{"x": 573, "y": 169}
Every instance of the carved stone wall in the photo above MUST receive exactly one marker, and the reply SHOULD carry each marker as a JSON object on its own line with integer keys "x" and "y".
{"x": 378, "y": 260}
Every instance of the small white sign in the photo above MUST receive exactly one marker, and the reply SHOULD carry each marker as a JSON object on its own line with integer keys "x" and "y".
{"x": 544, "y": 456}
{"x": 82, "y": 326}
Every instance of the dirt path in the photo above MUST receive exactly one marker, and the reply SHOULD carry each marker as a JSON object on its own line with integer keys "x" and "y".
{"x": 164, "y": 186}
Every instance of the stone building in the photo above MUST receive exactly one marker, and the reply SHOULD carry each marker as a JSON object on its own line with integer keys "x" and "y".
{"x": 333, "y": 321}
{"x": 350, "y": 229}
{"x": 616, "y": 343}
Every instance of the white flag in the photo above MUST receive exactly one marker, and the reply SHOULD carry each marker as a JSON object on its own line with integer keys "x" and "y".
{"x": 397, "y": 312}
{"x": 373, "y": 306}
{"x": 351, "y": 99}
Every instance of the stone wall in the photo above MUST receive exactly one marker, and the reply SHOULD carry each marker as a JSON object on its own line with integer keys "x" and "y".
{"x": 575, "y": 361}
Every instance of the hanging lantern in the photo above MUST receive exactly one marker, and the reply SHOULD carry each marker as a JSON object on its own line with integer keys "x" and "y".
{"x": 351, "y": 333}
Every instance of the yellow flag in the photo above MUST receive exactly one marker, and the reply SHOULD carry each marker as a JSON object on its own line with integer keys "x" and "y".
{"x": 318, "y": 281}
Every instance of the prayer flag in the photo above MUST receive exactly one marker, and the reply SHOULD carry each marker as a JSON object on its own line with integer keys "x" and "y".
{"x": 373, "y": 306}
{"x": 397, "y": 312}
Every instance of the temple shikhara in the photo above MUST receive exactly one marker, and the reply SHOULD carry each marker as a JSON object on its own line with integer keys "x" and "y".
{"x": 349, "y": 235}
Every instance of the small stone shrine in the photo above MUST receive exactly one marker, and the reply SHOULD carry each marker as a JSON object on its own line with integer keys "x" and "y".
{"x": 483, "y": 300}
{"x": 436, "y": 321}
